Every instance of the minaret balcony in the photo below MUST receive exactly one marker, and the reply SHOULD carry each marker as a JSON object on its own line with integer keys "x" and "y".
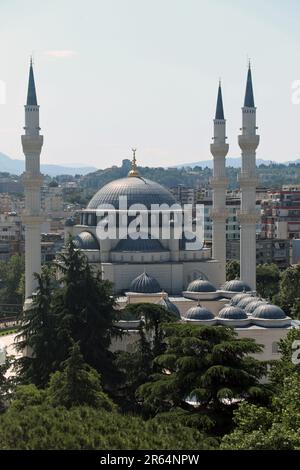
{"x": 248, "y": 142}
{"x": 219, "y": 149}
{"x": 32, "y": 144}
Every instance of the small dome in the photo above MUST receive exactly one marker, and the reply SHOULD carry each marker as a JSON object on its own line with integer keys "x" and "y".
{"x": 140, "y": 244}
{"x": 201, "y": 285}
{"x": 198, "y": 313}
{"x": 145, "y": 284}
{"x": 238, "y": 297}
{"x": 269, "y": 312}
{"x": 86, "y": 241}
{"x": 168, "y": 305}
{"x": 245, "y": 301}
{"x": 236, "y": 286}
{"x": 232, "y": 313}
{"x": 256, "y": 302}
{"x": 70, "y": 222}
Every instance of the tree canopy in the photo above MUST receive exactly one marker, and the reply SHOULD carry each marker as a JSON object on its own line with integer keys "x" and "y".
{"x": 209, "y": 366}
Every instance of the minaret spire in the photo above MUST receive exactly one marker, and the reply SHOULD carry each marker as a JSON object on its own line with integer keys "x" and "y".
{"x": 219, "y": 149}
{"x": 219, "y": 108}
{"x": 249, "y": 96}
{"x": 31, "y": 94}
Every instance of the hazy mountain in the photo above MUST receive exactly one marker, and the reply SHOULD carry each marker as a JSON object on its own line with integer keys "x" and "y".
{"x": 234, "y": 162}
{"x": 17, "y": 167}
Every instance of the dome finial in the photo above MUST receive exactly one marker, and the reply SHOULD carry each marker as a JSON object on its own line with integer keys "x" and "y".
{"x": 134, "y": 170}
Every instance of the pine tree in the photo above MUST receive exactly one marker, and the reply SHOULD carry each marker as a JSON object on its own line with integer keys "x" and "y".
{"x": 6, "y": 384}
{"x": 78, "y": 309}
{"x": 84, "y": 308}
{"x": 37, "y": 337}
{"x": 208, "y": 365}
{"x": 137, "y": 366}
{"x": 78, "y": 384}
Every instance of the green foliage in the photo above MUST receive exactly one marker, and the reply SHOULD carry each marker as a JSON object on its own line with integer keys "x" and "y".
{"x": 6, "y": 384}
{"x": 11, "y": 274}
{"x": 137, "y": 366}
{"x": 84, "y": 308}
{"x": 38, "y": 334}
{"x": 285, "y": 366}
{"x": 289, "y": 290}
{"x": 79, "y": 309}
{"x": 78, "y": 384}
{"x": 232, "y": 270}
{"x": 32, "y": 423}
{"x": 268, "y": 277}
{"x": 209, "y": 365}
{"x": 277, "y": 428}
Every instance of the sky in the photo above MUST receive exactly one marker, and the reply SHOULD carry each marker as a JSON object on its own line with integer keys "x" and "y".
{"x": 117, "y": 74}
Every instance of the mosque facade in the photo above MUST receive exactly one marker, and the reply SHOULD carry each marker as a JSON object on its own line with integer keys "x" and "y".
{"x": 178, "y": 273}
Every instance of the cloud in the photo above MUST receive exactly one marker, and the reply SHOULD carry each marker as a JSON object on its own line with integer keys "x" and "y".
{"x": 61, "y": 53}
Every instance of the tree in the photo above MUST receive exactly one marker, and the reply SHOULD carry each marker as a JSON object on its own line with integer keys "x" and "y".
{"x": 6, "y": 384}
{"x": 210, "y": 366}
{"x": 289, "y": 289}
{"x": 295, "y": 310}
{"x": 11, "y": 273}
{"x": 268, "y": 277}
{"x": 38, "y": 335}
{"x": 84, "y": 308}
{"x": 78, "y": 384}
{"x": 32, "y": 423}
{"x": 277, "y": 428}
{"x": 154, "y": 316}
{"x": 232, "y": 270}
{"x": 289, "y": 362}
{"x": 79, "y": 309}
{"x": 137, "y": 366}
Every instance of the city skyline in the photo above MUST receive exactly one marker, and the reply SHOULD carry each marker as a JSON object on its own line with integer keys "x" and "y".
{"x": 119, "y": 76}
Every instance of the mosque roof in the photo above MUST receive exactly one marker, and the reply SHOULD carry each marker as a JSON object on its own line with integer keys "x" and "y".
{"x": 198, "y": 313}
{"x": 86, "y": 241}
{"x": 138, "y": 190}
{"x": 145, "y": 284}
{"x": 232, "y": 313}
{"x": 200, "y": 285}
{"x": 140, "y": 244}
{"x": 235, "y": 286}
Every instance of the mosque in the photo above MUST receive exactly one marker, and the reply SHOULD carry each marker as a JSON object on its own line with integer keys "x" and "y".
{"x": 188, "y": 280}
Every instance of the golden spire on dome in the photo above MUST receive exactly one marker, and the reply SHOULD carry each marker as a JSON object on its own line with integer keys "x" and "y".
{"x": 134, "y": 170}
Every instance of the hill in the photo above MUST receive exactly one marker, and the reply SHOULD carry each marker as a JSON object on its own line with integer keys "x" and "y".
{"x": 16, "y": 167}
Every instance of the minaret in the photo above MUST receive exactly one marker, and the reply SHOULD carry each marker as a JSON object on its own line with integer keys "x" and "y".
{"x": 32, "y": 143}
{"x": 219, "y": 150}
{"x": 248, "y": 142}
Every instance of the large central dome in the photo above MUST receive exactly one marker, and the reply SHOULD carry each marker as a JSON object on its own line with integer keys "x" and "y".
{"x": 138, "y": 191}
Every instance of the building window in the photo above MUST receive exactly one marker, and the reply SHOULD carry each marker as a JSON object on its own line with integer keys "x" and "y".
{"x": 275, "y": 349}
